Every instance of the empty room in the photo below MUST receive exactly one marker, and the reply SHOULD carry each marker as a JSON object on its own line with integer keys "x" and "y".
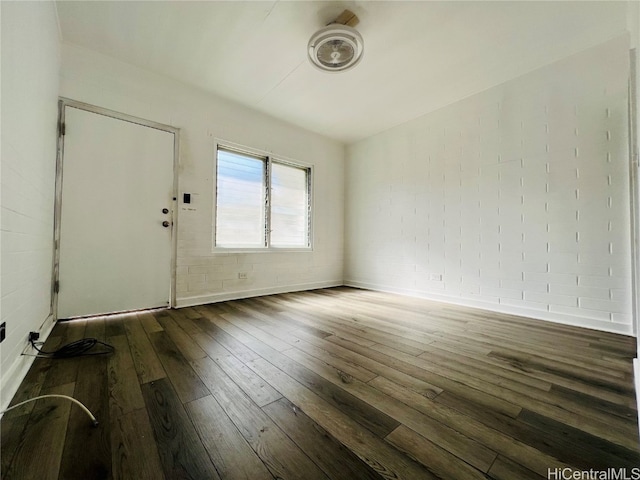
{"x": 319, "y": 240}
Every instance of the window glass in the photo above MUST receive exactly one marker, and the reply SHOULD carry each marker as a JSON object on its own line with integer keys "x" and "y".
{"x": 260, "y": 202}
{"x": 289, "y": 206}
{"x": 240, "y": 188}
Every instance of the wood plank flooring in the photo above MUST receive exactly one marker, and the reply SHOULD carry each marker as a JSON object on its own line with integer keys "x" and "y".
{"x": 329, "y": 384}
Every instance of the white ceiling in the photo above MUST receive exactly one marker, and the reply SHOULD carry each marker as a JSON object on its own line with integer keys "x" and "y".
{"x": 419, "y": 56}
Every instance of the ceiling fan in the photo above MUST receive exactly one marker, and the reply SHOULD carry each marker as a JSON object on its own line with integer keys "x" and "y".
{"x": 338, "y": 46}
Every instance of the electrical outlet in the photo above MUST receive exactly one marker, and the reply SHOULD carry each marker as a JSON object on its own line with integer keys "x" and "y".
{"x": 3, "y": 331}
{"x": 436, "y": 277}
{"x": 242, "y": 275}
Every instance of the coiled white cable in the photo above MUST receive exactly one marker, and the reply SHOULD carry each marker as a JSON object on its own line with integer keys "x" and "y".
{"x": 80, "y": 404}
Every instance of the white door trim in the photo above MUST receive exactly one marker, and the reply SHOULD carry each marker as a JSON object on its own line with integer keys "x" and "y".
{"x": 634, "y": 167}
{"x": 66, "y": 102}
{"x": 634, "y": 193}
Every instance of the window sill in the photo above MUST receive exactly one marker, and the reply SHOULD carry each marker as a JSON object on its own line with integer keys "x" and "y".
{"x": 236, "y": 250}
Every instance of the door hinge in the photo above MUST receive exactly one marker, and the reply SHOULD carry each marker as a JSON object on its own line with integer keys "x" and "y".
{"x": 56, "y": 286}
{"x": 62, "y": 129}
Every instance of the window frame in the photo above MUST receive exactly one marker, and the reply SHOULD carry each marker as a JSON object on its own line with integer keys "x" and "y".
{"x": 269, "y": 159}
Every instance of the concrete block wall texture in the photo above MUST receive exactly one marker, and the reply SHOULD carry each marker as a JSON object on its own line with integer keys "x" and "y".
{"x": 30, "y": 70}
{"x": 516, "y": 199}
{"x": 205, "y": 274}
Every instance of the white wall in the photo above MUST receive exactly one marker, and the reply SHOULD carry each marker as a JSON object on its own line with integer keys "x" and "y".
{"x": 515, "y": 199}
{"x": 203, "y": 276}
{"x": 30, "y": 69}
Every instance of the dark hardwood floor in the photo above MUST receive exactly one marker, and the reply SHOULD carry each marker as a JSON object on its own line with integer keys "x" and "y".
{"x": 337, "y": 383}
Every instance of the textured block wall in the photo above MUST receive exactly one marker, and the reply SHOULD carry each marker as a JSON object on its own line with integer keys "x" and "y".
{"x": 515, "y": 199}
{"x": 30, "y": 68}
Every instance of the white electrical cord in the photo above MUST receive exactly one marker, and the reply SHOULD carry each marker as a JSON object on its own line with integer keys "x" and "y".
{"x": 80, "y": 404}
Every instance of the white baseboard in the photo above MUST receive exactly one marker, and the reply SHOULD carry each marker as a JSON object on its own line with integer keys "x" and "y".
{"x": 236, "y": 295}
{"x": 565, "y": 319}
{"x": 13, "y": 376}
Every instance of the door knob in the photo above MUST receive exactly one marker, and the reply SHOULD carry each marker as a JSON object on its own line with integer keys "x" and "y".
{"x": 165, "y": 224}
{"x": 165, "y": 210}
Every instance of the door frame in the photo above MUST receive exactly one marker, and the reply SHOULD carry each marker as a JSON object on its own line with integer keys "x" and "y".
{"x": 634, "y": 172}
{"x": 634, "y": 192}
{"x": 67, "y": 102}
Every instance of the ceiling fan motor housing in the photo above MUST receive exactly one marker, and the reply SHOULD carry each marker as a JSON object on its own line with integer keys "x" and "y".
{"x": 335, "y": 48}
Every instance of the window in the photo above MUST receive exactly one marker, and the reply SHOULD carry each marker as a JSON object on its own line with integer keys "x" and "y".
{"x": 261, "y": 202}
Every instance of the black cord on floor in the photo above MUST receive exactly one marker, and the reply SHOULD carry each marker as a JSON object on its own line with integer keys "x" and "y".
{"x": 75, "y": 349}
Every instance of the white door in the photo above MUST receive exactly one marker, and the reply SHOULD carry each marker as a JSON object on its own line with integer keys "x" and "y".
{"x": 115, "y": 253}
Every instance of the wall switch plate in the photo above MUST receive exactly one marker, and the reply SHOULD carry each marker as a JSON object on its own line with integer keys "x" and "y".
{"x": 3, "y": 331}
